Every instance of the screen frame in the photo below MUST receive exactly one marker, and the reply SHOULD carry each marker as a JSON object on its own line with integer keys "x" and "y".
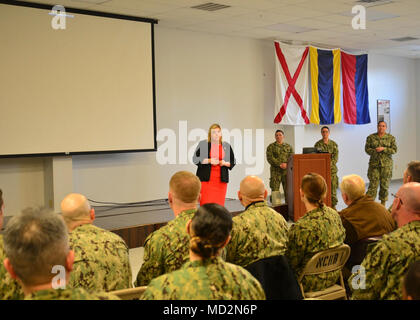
{"x": 104, "y": 15}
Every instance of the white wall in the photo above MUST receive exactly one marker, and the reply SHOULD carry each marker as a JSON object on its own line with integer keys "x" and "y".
{"x": 205, "y": 78}
{"x": 200, "y": 78}
{"x": 418, "y": 107}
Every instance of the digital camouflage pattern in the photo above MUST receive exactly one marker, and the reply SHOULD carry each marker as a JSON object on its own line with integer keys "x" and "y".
{"x": 258, "y": 232}
{"x": 317, "y": 230}
{"x": 69, "y": 294}
{"x": 380, "y": 164}
{"x": 101, "y": 260}
{"x": 209, "y": 279}
{"x": 9, "y": 288}
{"x": 276, "y": 155}
{"x": 166, "y": 249}
{"x": 332, "y": 148}
{"x": 387, "y": 262}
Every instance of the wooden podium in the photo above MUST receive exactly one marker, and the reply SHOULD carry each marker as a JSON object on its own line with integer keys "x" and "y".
{"x": 297, "y": 166}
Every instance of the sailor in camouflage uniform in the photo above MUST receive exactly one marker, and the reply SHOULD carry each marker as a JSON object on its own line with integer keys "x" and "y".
{"x": 386, "y": 262}
{"x": 70, "y": 294}
{"x": 258, "y": 232}
{"x": 380, "y": 146}
{"x": 330, "y": 146}
{"x": 319, "y": 229}
{"x": 166, "y": 249}
{"x": 35, "y": 242}
{"x": 9, "y": 288}
{"x": 101, "y": 257}
{"x": 206, "y": 276}
{"x": 278, "y": 153}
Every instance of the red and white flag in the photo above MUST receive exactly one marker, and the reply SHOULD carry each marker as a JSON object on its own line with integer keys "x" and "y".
{"x": 292, "y": 84}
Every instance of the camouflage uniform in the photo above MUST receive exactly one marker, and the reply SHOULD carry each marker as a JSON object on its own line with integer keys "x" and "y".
{"x": 258, "y": 232}
{"x": 276, "y": 155}
{"x": 386, "y": 263}
{"x": 317, "y": 230}
{"x": 9, "y": 288}
{"x": 166, "y": 249}
{"x": 380, "y": 164}
{"x": 101, "y": 260}
{"x": 332, "y": 148}
{"x": 209, "y": 279}
{"x": 69, "y": 294}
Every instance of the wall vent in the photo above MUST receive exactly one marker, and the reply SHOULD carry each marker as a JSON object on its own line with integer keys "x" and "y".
{"x": 210, "y": 6}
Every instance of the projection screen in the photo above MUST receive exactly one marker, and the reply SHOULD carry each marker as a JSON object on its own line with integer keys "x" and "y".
{"x": 88, "y": 88}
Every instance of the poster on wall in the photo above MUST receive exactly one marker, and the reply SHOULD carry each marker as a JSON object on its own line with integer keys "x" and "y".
{"x": 384, "y": 112}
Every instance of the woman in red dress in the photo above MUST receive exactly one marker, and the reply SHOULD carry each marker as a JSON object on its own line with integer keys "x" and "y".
{"x": 213, "y": 159}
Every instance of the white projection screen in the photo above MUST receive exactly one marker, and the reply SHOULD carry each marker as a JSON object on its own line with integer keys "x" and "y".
{"x": 88, "y": 88}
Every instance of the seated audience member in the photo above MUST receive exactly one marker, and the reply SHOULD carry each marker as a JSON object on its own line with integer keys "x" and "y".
{"x": 9, "y": 288}
{"x": 411, "y": 282}
{"x": 101, "y": 261}
{"x": 412, "y": 173}
{"x": 363, "y": 217}
{"x": 386, "y": 263}
{"x": 206, "y": 276}
{"x": 38, "y": 256}
{"x": 166, "y": 249}
{"x": 319, "y": 229}
{"x": 258, "y": 232}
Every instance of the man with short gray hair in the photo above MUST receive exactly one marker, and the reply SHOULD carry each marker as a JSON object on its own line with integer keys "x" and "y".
{"x": 363, "y": 217}
{"x": 9, "y": 288}
{"x": 38, "y": 256}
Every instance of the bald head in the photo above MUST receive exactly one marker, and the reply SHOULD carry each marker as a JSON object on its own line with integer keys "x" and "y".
{"x": 409, "y": 194}
{"x": 406, "y": 205}
{"x": 252, "y": 189}
{"x": 75, "y": 207}
{"x": 353, "y": 186}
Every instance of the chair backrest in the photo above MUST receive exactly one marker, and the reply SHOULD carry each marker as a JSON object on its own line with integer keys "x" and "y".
{"x": 326, "y": 261}
{"x": 130, "y": 294}
{"x": 277, "y": 278}
{"x": 358, "y": 250}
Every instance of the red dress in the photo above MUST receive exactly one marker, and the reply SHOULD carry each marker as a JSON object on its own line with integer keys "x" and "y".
{"x": 214, "y": 190}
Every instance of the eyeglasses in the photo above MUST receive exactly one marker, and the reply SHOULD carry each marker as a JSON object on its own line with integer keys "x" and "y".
{"x": 397, "y": 197}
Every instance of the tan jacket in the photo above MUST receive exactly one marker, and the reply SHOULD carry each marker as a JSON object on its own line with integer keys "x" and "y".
{"x": 366, "y": 218}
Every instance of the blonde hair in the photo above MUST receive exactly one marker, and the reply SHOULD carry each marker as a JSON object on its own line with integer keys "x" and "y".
{"x": 185, "y": 186}
{"x": 214, "y": 126}
{"x": 353, "y": 186}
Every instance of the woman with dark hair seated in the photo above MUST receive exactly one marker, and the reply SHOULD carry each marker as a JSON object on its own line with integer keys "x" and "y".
{"x": 206, "y": 276}
{"x": 319, "y": 229}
